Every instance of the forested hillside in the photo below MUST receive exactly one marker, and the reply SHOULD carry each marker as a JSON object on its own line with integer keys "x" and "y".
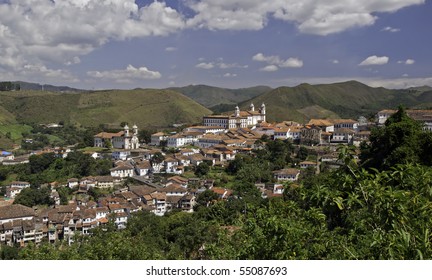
{"x": 347, "y": 100}
{"x": 146, "y": 108}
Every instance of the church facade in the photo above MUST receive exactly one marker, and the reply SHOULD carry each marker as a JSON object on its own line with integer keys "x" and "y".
{"x": 240, "y": 119}
{"x": 125, "y": 139}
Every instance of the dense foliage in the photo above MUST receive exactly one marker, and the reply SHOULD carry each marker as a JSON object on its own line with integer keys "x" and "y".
{"x": 47, "y": 168}
{"x": 365, "y": 215}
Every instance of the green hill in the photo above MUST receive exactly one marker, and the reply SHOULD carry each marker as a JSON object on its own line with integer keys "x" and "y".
{"x": 348, "y": 99}
{"x": 212, "y": 96}
{"x": 145, "y": 107}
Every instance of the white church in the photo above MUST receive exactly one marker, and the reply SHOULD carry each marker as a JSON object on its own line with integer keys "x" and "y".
{"x": 240, "y": 119}
{"x": 121, "y": 140}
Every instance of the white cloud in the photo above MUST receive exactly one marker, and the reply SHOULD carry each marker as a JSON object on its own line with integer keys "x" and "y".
{"x": 37, "y": 73}
{"x": 37, "y": 32}
{"x": 127, "y": 75}
{"x": 274, "y": 60}
{"x": 375, "y": 60}
{"x": 205, "y": 65}
{"x": 218, "y": 64}
{"x": 223, "y": 65}
{"x": 292, "y": 62}
{"x": 311, "y": 16}
{"x": 390, "y": 29}
{"x": 269, "y": 68}
{"x": 40, "y": 71}
{"x": 409, "y": 61}
{"x": 170, "y": 49}
{"x": 335, "y": 61}
{"x": 75, "y": 60}
{"x": 230, "y": 75}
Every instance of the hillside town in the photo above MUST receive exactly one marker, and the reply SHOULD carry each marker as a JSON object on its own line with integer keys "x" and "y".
{"x": 156, "y": 176}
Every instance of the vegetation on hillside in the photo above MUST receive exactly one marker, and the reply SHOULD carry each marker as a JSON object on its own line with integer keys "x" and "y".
{"x": 359, "y": 211}
{"x": 347, "y": 100}
{"x": 210, "y": 96}
{"x": 146, "y": 108}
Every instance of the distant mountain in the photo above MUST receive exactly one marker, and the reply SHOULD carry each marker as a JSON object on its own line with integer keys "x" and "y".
{"x": 144, "y": 107}
{"x": 348, "y": 99}
{"x": 45, "y": 87}
{"x": 209, "y": 96}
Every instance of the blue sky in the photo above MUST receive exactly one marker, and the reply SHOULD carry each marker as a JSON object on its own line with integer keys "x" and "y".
{"x": 97, "y": 44}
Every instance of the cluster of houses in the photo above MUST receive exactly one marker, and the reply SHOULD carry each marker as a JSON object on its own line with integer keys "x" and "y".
{"x": 224, "y": 130}
{"x": 216, "y": 142}
{"x": 20, "y": 224}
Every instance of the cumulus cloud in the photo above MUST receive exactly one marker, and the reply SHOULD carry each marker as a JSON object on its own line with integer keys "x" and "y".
{"x": 62, "y": 31}
{"x": 375, "y": 60}
{"x": 310, "y": 16}
{"x": 274, "y": 60}
{"x": 269, "y": 68}
{"x": 230, "y": 75}
{"x": 40, "y": 71}
{"x": 126, "y": 75}
{"x": 218, "y": 64}
{"x": 205, "y": 65}
{"x": 390, "y": 29}
{"x": 409, "y": 61}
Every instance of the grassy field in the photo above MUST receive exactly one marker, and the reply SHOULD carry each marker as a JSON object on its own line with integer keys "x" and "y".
{"x": 15, "y": 130}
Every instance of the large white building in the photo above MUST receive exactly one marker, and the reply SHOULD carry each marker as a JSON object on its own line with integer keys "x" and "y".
{"x": 120, "y": 140}
{"x": 240, "y": 119}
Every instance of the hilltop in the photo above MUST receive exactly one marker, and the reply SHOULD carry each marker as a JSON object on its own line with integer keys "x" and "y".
{"x": 347, "y": 99}
{"x": 209, "y": 96}
{"x": 36, "y": 86}
{"x": 145, "y": 107}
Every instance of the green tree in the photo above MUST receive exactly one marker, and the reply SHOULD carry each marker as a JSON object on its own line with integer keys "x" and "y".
{"x": 157, "y": 158}
{"x": 145, "y": 135}
{"x": 31, "y": 197}
{"x": 401, "y": 140}
{"x": 202, "y": 169}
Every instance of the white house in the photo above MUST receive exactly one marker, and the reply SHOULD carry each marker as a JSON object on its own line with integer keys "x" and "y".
{"x": 345, "y": 123}
{"x": 120, "y": 155}
{"x": 20, "y": 184}
{"x": 210, "y": 140}
{"x": 73, "y": 182}
{"x": 289, "y": 174}
{"x": 343, "y": 135}
{"x": 281, "y": 133}
{"x": 143, "y": 168}
{"x": 156, "y": 138}
{"x": 15, "y": 212}
{"x": 122, "y": 170}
